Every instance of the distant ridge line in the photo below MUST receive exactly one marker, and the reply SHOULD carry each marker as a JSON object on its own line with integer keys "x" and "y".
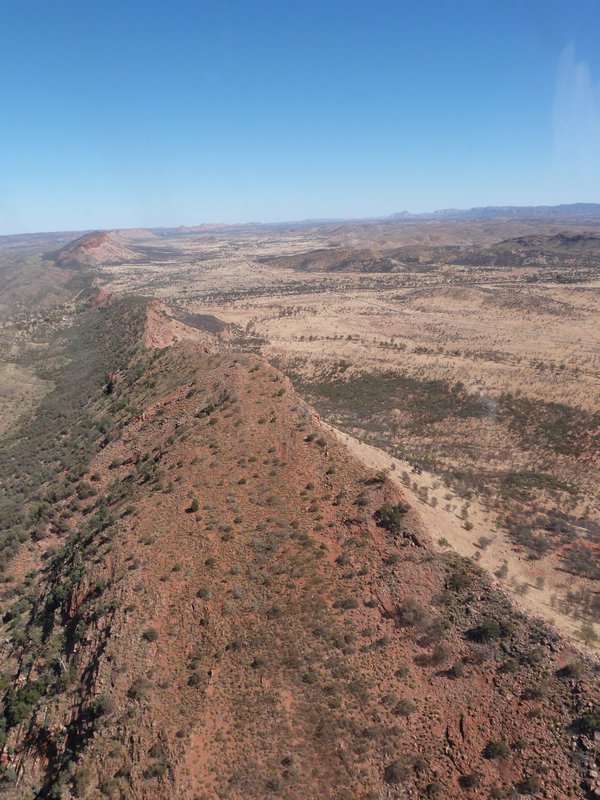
{"x": 506, "y": 212}
{"x": 563, "y": 212}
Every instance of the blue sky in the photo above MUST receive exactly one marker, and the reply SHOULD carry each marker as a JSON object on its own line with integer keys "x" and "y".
{"x": 119, "y": 114}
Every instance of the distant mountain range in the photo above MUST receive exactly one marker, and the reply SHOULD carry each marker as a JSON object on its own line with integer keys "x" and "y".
{"x": 507, "y": 212}
{"x": 580, "y": 212}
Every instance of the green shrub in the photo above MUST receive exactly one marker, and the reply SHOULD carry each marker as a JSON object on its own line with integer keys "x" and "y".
{"x": 529, "y": 785}
{"x": 496, "y": 749}
{"x": 410, "y": 612}
{"x": 156, "y": 770}
{"x": 576, "y": 669}
{"x": 470, "y": 781}
{"x": 390, "y": 516}
{"x": 348, "y": 603}
{"x": 405, "y": 707}
{"x": 589, "y": 723}
{"x": 102, "y": 705}
{"x": 396, "y": 772}
{"x": 457, "y": 670}
{"x": 490, "y": 629}
{"x": 139, "y": 689}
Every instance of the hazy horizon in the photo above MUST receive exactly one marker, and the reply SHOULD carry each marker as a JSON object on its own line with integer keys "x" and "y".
{"x": 392, "y": 216}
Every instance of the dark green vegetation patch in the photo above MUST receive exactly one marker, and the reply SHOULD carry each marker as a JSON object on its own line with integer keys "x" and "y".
{"x": 425, "y": 402}
{"x": 554, "y": 426}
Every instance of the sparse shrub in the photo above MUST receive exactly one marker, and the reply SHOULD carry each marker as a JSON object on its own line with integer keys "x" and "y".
{"x": 347, "y": 603}
{"x": 589, "y": 723}
{"x": 139, "y": 689}
{"x": 405, "y": 707}
{"x": 81, "y": 780}
{"x": 102, "y": 705}
{"x": 410, "y": 612}
{"x": 396, "y": 772}
{"x": 157, "y": 769}
{"x": 457, "y": 670}
{"x": 587, "y": 633}
{"x": 390, "y": 516}
{"x": 502, "y": 571}
{"x": 460, "y": 578}
{"x": 576, "y": 670}
{"x": 150, "y": 634}
{"x": 441, "y": 652}
{"x": 490, "y": 629}
{"x": 496, "y": 749}
{"x": 470, "y": 781}
{"x": 529, "y": 785}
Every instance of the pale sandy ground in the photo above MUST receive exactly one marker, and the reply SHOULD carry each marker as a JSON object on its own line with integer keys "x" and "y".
{"x": 448, "y": 525}
{"x": 547, "y": 347}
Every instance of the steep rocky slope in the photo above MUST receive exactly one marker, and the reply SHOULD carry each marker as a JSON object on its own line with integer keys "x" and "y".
{"x": 226, "y": 604}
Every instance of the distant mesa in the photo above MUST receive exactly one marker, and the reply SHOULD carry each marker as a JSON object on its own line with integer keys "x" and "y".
{"x": 93, "y": 250}
{"x": 135, "y": 234}
{"x": 209, "y": 227}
